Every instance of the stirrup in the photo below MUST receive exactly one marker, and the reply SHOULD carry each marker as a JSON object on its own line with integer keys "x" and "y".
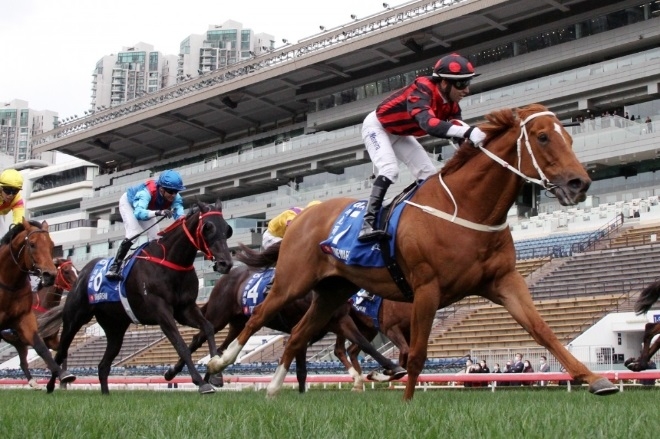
{"x": 114, "y": 275}
{"x": 374, "y": 234}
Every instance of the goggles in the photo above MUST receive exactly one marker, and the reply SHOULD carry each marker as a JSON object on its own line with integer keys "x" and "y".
{"x": 461, "y": 84}
{"x": 10, "y": 190}
{"x": 171, "y": 191}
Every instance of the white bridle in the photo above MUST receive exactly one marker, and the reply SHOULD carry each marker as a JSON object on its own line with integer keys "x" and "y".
{"x": 542, "y": 181}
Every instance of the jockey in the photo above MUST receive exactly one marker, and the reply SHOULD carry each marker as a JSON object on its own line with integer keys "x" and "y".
{"x": 277, "y": 226}
{"x": 428, "y": 106}
{"x": 140, "y": 205}
{"x": 11, "y": 182}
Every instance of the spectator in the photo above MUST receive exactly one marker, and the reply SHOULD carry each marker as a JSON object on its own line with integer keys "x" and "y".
{"x": 507, "y": 369}
{"x": 543, "y": 367}
{"x": 527, "y": 368}
{"x": 470, "y": 367}
{"x": 496, "y": 368}
{"x": 649, "y": 125}
{"x": 517, "y": 367}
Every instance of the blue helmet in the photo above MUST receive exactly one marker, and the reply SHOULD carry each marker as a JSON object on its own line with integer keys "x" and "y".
{"x": 171, "y": 180}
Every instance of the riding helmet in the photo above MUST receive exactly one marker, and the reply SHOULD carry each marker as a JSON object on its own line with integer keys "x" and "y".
{"x": 11, "y": 178}
{"x": 171, "y": 180}
{"x": 454, "y": 66}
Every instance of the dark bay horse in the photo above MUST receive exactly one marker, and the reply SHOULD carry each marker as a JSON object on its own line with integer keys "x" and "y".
{"x": 161, "y": 289}
{"x": 45, "y": 298}
{"x": 25, "y": 250}
{"x": 224, "y": 307}
{"x": 645, "y": 301}
{"x": 393, "y": 322}
{"x": 452, "y": 241}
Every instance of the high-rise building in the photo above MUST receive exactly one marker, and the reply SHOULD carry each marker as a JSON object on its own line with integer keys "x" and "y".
{"x": 221, "y": 46}
{"x": 129, "y": 74}
{"x": 18, "y": 123}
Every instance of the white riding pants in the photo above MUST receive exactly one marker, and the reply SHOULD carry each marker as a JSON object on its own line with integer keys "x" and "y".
{"x": 132, "y": 225}
{"x": 387, "y": 149}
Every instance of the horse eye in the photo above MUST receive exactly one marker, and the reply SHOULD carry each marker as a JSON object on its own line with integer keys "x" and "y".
{"x": 543, "y": 137}
{"x": 230, "y": 231}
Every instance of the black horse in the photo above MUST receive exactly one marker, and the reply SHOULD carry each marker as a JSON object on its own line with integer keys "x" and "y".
{"x": 161, "y": 289}
{"x": 646, "y": 300}
{"x": 224, "y": 307}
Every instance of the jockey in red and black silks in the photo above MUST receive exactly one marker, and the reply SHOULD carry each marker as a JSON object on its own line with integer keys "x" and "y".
{"x": 428, "y": 106}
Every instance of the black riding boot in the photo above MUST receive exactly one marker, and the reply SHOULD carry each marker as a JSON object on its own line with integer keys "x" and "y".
{"x": 368, "y": 231}
{"x": 113, "y": 272}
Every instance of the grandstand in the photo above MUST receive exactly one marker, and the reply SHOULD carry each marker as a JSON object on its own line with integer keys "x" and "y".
{"x": 294, "y": 136}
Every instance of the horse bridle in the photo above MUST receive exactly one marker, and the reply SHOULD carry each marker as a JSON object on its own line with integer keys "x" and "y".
{"x": 197, "y": 241}
{"x": 33, "y": 270}
{"x": 542, "y": 181}
{"x": 60, "y": 280}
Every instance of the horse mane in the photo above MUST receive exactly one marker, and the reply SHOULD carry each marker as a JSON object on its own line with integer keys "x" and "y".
{"x": 15, "y": 229}
{"x": 497, "y": 122}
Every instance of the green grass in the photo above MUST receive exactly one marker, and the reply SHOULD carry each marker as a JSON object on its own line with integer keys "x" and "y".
{"x": 519, "y": 413}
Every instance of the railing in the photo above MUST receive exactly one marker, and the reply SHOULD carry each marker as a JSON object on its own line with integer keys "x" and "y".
{"x": 597, "y": 236}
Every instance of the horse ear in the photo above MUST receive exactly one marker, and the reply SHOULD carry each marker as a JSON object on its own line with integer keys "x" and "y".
{"x": 44, "y": 225}
{"x": 218, "y": 204}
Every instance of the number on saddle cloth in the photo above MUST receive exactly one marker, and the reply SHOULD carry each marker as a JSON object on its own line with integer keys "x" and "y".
{"x": 342, "y": 242}
{"x": 256, "y": 289}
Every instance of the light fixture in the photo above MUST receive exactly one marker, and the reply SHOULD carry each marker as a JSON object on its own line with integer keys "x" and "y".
{"x": 354, "y": 17}
{"x": 285, "y": 41}
{"x": 386, "y": 5}
{"x": 322, "y": 28}
{"x": 229, "y": 102}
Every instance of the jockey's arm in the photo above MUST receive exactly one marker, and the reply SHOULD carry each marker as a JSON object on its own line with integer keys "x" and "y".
{"x": 141, "y": 204}
{"x": 18, "y": 211}
{"x": 420, "y": 107}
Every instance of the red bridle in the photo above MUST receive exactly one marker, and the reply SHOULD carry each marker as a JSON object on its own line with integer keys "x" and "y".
{"x": 197, "y": 241}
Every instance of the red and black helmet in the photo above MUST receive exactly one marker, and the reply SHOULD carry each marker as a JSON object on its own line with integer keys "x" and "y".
{"x": 454, "y": 66}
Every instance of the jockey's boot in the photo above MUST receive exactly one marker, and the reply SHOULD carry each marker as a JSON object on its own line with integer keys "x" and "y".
{"x": 368, "y": 231}
{"x": 114, "y": 271}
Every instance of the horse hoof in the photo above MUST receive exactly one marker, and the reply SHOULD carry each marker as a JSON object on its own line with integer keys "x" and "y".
{"x": 629, "y": 361}
{"x": 169, "y": 375}
{"x": 602, "y": 387}
{"x": 67, "y": 377}
{"x": 35, "y": 385}
{"x": 206, "y": 388}
{"x": 398, "y": 373}
{"x": 378, "y": 377}
{"x": 217, "y": 380}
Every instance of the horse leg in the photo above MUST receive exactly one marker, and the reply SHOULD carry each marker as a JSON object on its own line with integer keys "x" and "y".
{"x": 395, "y": 334}
{"x": 424, "y": 306}
{"x": 235, "y": 328}
{"x": 70, "y": 327}
{"x": 197, "y": 341}
{"x": 114, "y": 341}
{"x": 648, "y": 350}
{"x": 263, "y": 313}
{"x": 301, "y": 370}
{"x": 22, "y": 351}
{"x": 350, "y": 363}
{"x": 316, "y": 317}
{"x": 351, "y": 332}
{"x": 168, "y": 326}
{"x": 515, "y": 296}
{"x": 27, "y": 330}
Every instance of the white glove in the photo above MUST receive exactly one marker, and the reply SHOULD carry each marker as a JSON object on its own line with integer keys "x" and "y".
{"x": 477, "y": 137}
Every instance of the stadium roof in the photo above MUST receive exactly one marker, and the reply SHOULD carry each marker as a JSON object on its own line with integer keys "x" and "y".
{"x": 274, "y": 88}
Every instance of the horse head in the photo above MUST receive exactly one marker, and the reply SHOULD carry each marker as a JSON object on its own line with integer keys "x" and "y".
{"x": 67, "y": 274}
{"x": 32, "y": 250}
{"x": 550, "y": 155}
{"x": 214, "y": 233}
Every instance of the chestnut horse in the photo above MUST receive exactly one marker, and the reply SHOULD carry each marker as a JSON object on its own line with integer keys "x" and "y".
{"x": 452, "y": 241}
{"x": 645, "y": 301}
{"x": 224, "y": 307}
{"x": 161, "y": 289}
{"x": 26, "y": 250}
{"x": 393, "y": 322}
{"x": 45, "y": 298}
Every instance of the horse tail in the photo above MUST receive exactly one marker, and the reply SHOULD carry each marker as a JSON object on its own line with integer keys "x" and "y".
{"x": 256, "y": 259}
{"x": 50, "y": 322}
{"x": 648, "y": 297}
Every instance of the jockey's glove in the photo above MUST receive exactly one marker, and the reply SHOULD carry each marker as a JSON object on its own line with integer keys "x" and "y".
{"x": 166, "y": 213}
{"x": 475, "y": 135}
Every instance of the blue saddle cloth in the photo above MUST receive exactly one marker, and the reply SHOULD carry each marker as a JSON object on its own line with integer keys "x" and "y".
{"x": 255, "y": 290}
{"x": 342, "y": 242}
{"x": 368, "y": 304}
{"x": 101, "y": 289}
